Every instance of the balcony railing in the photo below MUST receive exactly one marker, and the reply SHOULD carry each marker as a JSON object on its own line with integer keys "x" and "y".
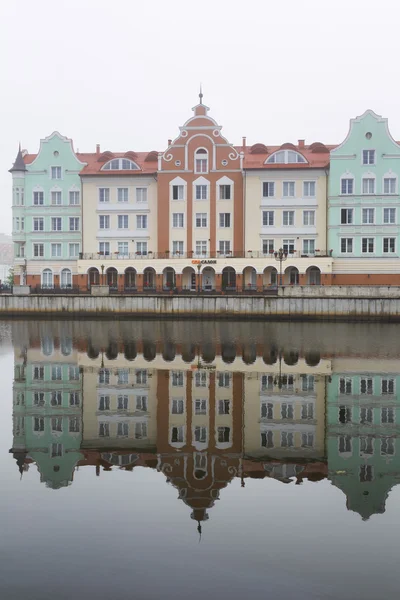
{"x": 249, "y": 254}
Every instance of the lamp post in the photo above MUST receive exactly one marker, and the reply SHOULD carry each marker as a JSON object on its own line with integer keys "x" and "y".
{"x": 198, "y": 278}
{"x": 280, "y": 256}
{"x": 102, "y": 274}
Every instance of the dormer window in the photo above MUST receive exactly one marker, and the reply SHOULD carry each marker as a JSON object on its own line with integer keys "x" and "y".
{"x": 120, "y": 164}
{"x": 201, "y": 161}
{"x": 286, "y": 157}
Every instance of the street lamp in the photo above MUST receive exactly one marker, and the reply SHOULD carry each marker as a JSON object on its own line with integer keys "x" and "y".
{"x": 280, "y": 256}
{"x": 198, "y": 278}
{"x": 102, "y": 274}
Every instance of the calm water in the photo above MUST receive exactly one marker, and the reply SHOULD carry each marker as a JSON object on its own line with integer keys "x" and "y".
{"x": 201, "y": 460}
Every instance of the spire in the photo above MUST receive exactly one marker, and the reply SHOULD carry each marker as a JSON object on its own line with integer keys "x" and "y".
{"x": 201, "y": 94}
{"x": 19, "y": 164}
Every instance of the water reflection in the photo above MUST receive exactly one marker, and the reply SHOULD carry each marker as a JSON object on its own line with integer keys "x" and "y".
{"x": 203, "y": 410}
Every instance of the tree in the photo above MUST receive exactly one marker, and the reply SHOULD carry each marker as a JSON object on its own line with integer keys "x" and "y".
{"x": 10, "y": 278}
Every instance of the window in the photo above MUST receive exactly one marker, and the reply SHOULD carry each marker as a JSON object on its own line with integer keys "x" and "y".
{"x": 389, "y": 216}
{"x": 268, "y": 189}
{"x": 346, "y": 216}
{"x": 74, "y": 223}
{"x": 104, "y": 222}
{"x": 200, "y": 406}
{"x": 66, "y": 282}
{"x": 223, "y": 435}
{"x": 224, "y": 192}
{"x": 288, "y": 246}
{"x": 47, "y": 278}
{"x": 268, "y": 246}
{"x": 366, "y": 385}
{"x": 74, "y": 399}
{"x": 224, "y": 380}
{"x": 104, "y": 248}
{"x": 389, "y": 245}
{"x": 141, "y": 222}
{"x": 366, "y": 473}
{"x": 267, "y": 439}
{"x": 177, "y": 406}
{"x": 347, "y": 186}
{"x": 307, "y": 411}
{"x": 177, "y": 192}
{"x": 141, "y": 194}
{"x": 73, "y": 373}
{"x": 387, "y": 386}
{"x": 38, "y": 224}
{"x": 345, "y": 385}
{"x": 56, "y": 250}
{"x": 309, "y": 217}
{"x": 38, "y": 424}
{"x": 56, "y": 172}
{"x": 366, "y": 416}
{"x": 288, "y": 189}
{"x": 104, "y": 429}
{"x": 267, "y": 382}
{"x": 224, "y": 407}
{"x": 268, "y": 218}
{"x": 141, "y": 403}
{"x": 367, "y": 245}
{"x": 286, "y": 157}
{"x": 308, "y": 246}
{"x": 56, "y": 224}
{"x": 122, "y": 429}
{"x": 368, "y": 157}
{"x": 104, "y": 403}
{"x": 56, "y": 373}
{"x": 344, "y": 414}
{"x": 387, "y": 415}
{"x": 346, "y": 245}
{"x": 38, "y": 373}
{"x": 177, "y": 378}
{"x": 200, "y": 379}
{"x": 309, "y": 189}
{"x": 287, "y": 411}
{"x": 368, "y": 185}
{"x": 201, "y": 192}
{"x": 267, "y": 410}
{"x": 56, "y": 424}
{"x": 141, "y": 248}
{"x": 368, "y": 216}
{"x": 122, "y": 194}
{"x": 200, "y": 434}
{"x": 389, "y": 185}
{"x": 73, "y": 250}
{"x": 104, "y": 376}
{"x": 345, "y": 444}
{"x": 38, "y": 198}
{"x": 177, "y": 435}
{"x": 123, "y": 376}
{"x": 74, "y": 425}
{"x": 201, "y": 219}
{"x": 56, "y": 399}
{"x": 201, "y": 247}
{"x": 307, "y": 440}
{"x": 387, "y": 446}
{"x": 123, "y": 221}
{"x": 56, "y": 450}
{"x": 141, "y": 377}
{"x": 177, "y": 220}
{"x": 74, "y": 199}
{"x": 16, "y": 224}
{"x": 288, "y": 217}
{"x": 201, "y": 161}
{"x": 287, "y": 439}
{"x": 123, "y": 248}
{"x": 104, "y": 194}
{"x": 177, "y": 247}
{"x": 38, "y": 399}
{"x": 224, "y": 219}
{"x": 140, "y": 430}
{"x": 224, "y": 247}
{"x": 122, "y": 402}
{"x": 56, "y": 198}
{"x": 16, "y": 195}
{"x": 120, "y": 164}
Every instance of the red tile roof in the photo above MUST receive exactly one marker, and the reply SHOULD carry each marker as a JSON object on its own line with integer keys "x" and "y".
{"x": 317, "y": 156}
{"x": 94, "y": 166}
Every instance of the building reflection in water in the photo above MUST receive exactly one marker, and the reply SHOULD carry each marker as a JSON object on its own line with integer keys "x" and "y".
{"x": 203, "y": 414}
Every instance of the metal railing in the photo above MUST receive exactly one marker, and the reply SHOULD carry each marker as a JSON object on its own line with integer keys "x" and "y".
{"x": 150, "y": 290}
{"x": 249, "y": 254}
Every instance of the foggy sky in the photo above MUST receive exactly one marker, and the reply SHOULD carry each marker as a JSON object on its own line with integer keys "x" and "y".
{"x": 126, "y": 74}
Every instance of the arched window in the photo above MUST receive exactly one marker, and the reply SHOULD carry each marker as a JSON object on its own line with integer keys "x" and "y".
{"x": 66, "y": 278}
{"x": 47, "y": 278}
{"x": 201, "y": 161}
{"x": 66, "y": 346}
{"x": 120, "y": 164}
{"x": 286, "y": 157}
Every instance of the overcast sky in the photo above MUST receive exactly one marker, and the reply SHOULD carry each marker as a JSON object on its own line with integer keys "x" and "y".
{"x": 125, "y": 74}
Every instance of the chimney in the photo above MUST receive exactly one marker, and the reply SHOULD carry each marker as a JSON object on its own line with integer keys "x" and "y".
{"x": 169, "y": 142}
{"x": 244, "y": 143}
{"x": 302, "y": 143}
{"x": 97, "y": 148}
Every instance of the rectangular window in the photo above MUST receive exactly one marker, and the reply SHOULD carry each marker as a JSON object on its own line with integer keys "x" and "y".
{"x": 123, "y": 248}
{"x": 268, "y": 218}
{"x": 287, "y": 411}
{"x": 389, "y": 216}
{"x": 73, "y": 373}
{"x": 141, "y": 248}
{"x": 367, "y": 245}
{"x": 200, "y": 434}
{"x": 177, "y": 220}
{"x": 288, "y": 246}
{"x": 38, "y": 224}
{"x": 345, "y": 385}
{"x": 346, "y": 216}
{"x": 56, "y": 373}
{"x": 366, "y": 415}
{"x": 177, "y": 435}
{"x": 200, "y": 379}
{"x": 74, "y": 399}
{"x": 201, "y": 192}
{"x": 123, "y": 376}
{"x": 56, "y": 250}
{"x": 104, "y": 248}
{"x": 177, "y": 247}
{"x": 345, "y": 444}
{"x": 38, "y": 424}
{"x": 38, "y": 250}
{"x": 368, "y": 157}
{"x": 366, "y": 385}
{"x": 122, "y": 194}
{"x": 388, "y": 446}
{"x": 38, "y": 198}
{"x": 74, "y": 199}
{"x": 104, "y": 376}
{"x": 56, "y": 450}
{"x": 223, "y": 435}
{"x": 288, "y": 217}
{"x": 307, "y": 411}
{"x": 201, "y": 247}
{"x": 268, "y": 246}
{"x": 309, "y": 189}
{"x": 177, "y": 407}
{"x": 346, "y": 245}
{"x": 74, "y": 223}
{"x": 287, "y": 439}
{"x": 122, "y": 429}
{"x": 55, "y": 399}
{"x": 141, "y": 403}
{"x": 267, "y": 410}
{"x": 104, "y": 194}
{"x": 387, "y": 386}
{"x": 224, "y": 379}
{"x": 104, "y": 222}
{"x": 347, "y": 186}
{"x": 104, "y": 402}
{"x": 74, "y": 425}
{"x": 56, "y": 172}
{"x": 16, "y": 224}
{"x": 122, "y": 221}
{"x": 224, "y": 192}
{"x": 344, "y": 414}
{"x": 366, "y": 444}
{"x": 368, "y": 185}
{"x": 38, "y": 399}
{"x": 201, "y": 219}
{"x": 104, "y": 429}
{"x": 177, "y": 192}
{"x": 141, "y": 222}
{"x": 307, "y": 440}
{"x": 268, "y": 189}
{"x": 389, "y": 185}
{"x": 141, "y": 194}
{"x": 73, "y": 250}
{"x": 387, "y": 415}
{"x": 267, "y": 439}
{"x": 389, "y": 245}
{"x": 288, "y": 189}
{"x": 56, "y": 198}
{"x": 22, "y": 223}
{"x": 177, "y": 378}
{"x": 308, "y": 246}
{"x": 141, "y": 377}
{"x": 56, "y": 424}
{"x": 224, "y": 246}
{"x": 200, "y": 406}
{"x": 224, "y": 219}
{"x": 267, "y": 382}
{"x": 56, "y": 224}
{"x": 201, "y": 165}
{"x": 224, "y": 407}
{"x": 368, "y": 216}
{"x": 309, "y": 217}
{"x": 38, "y": 373}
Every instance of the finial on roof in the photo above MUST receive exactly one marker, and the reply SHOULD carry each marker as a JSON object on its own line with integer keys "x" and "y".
{"x": 201, "y": 94}
{"x": 19, "y": 164}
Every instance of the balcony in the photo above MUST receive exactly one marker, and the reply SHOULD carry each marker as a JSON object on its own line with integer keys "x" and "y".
{"x": 240, "y": 254}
